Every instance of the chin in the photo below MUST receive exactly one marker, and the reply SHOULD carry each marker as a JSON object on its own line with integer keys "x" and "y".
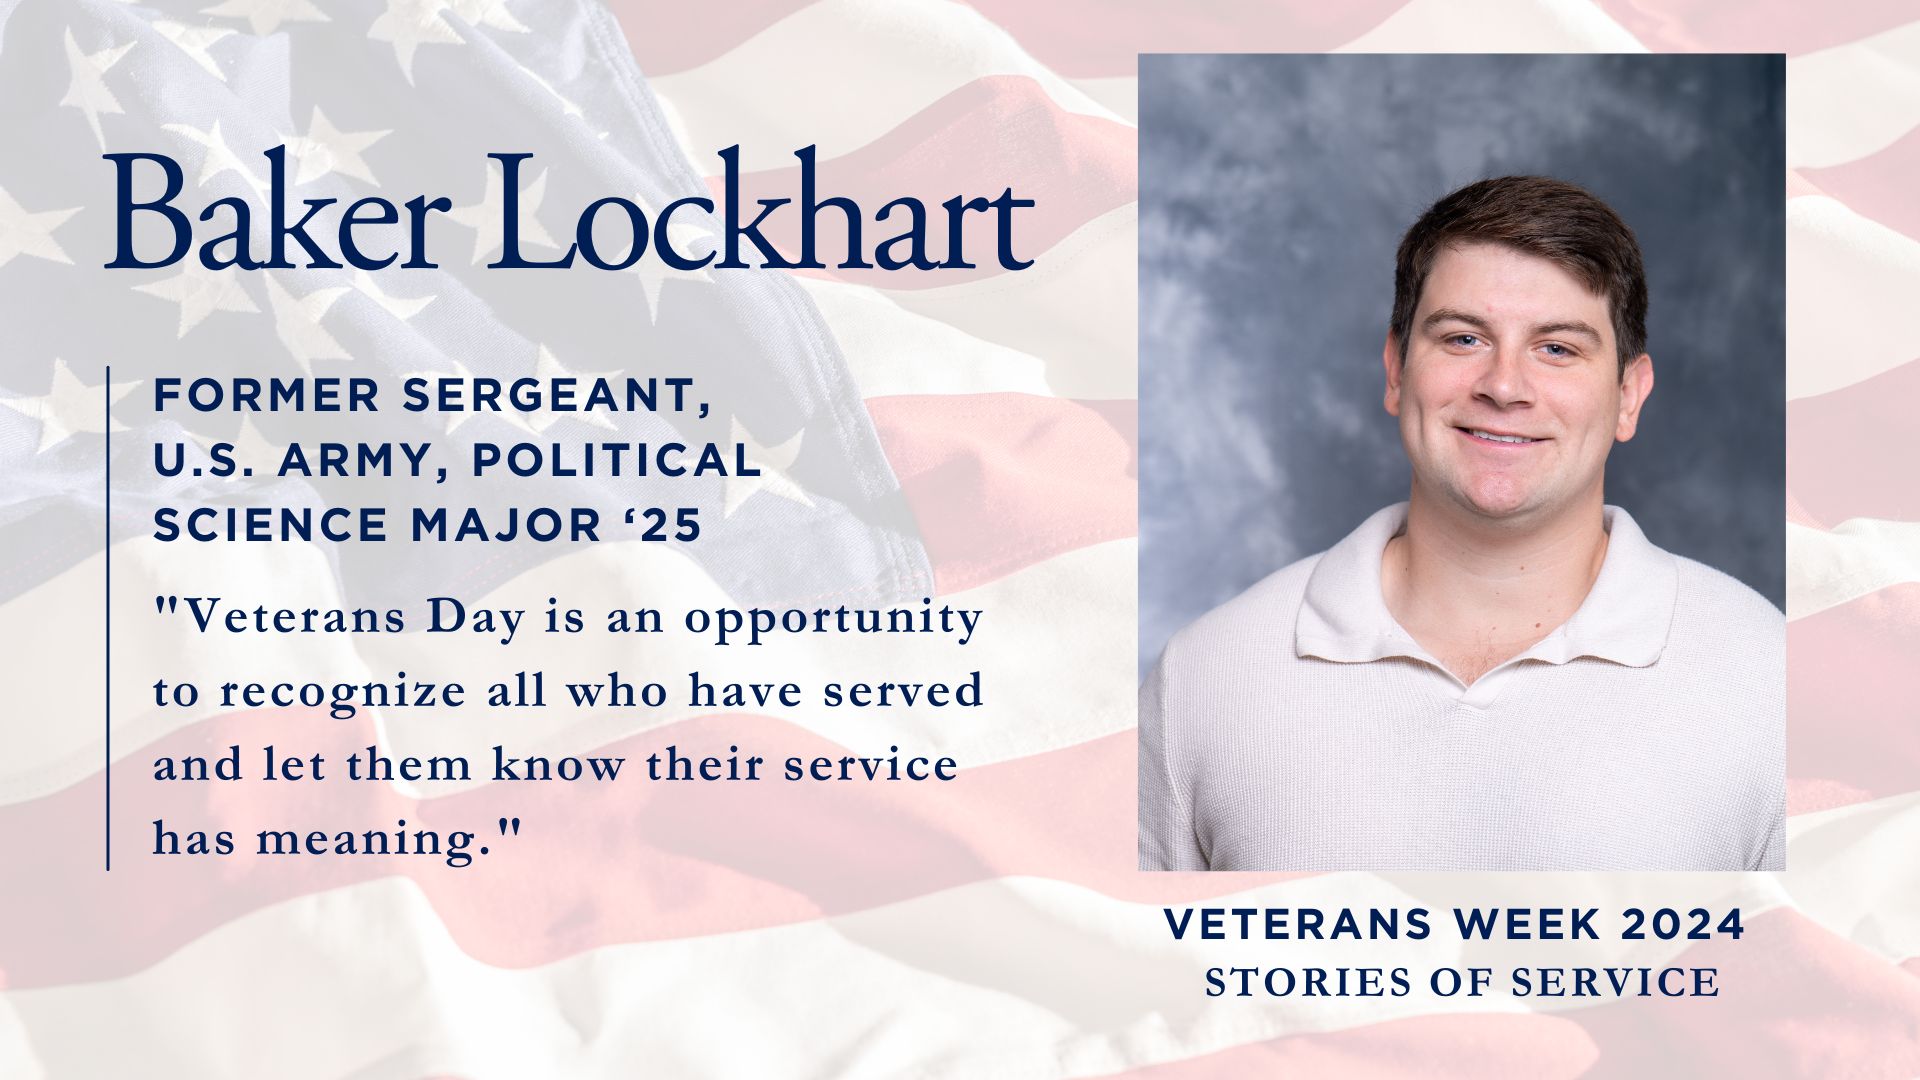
{"x": 1498, "y": 502}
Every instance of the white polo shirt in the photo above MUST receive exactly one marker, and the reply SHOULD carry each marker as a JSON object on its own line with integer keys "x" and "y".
{"x": 1298, "y": 727}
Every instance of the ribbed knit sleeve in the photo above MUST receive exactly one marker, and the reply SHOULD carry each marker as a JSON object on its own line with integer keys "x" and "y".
{"x": 1167, "y": 840}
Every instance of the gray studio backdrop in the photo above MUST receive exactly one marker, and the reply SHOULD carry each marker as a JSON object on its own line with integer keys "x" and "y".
{"x": 1273, "y": 192}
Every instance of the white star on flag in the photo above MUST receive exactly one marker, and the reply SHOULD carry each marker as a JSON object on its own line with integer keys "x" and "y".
{"x": 87, "y": 87}
{"x": 265, "y": 16}
{"x": 409, "y": 24}
{"x": 251, "y": 448}
{"x": 195, "y": 41}
{"x": 200, "y": 292}
{"x": 488, "y": 13}
{"x": 402, "y": 308}
{"x": 23, "y": 233}
{"x": 773, "y": 463}
{"x": 70, "y": 407}
{"x": 547, "y": 367}
{"x": 326, "y": 149}
{"x": 297, "y": 322}
{"x": 460, "y": 416}
{"x": 654, "y": 272}
{"x": 219, "y": 158}
{"x": 486, "y": 218}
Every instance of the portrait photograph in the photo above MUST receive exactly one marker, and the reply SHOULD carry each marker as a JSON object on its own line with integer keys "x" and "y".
{"x": 1462, "y": 463}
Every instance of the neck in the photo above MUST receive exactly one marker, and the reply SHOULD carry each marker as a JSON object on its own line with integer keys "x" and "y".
{"x": 1463, "y": 585}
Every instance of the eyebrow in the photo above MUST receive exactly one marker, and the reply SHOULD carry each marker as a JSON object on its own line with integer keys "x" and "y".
{"x": 1571, "y": 326}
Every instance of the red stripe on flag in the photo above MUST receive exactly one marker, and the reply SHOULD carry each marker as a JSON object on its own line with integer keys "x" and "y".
{"x": 692, "y": 42}
{"x": 1798, "y": 184}
{"x": 1761, "y": 26}
{"x": 1800, "y": 515}
{"x": 1076, "y": 40}
{"x": 1795, "y": 1000}
{"x": 1087, "y": 40}
{"x": 1878, "y": 187}
{"x": 1850, "y": 733}
{"x": 1001, "y": 481}
{"x": 1095, "y": 40}
{"x": 1850, "y": 452}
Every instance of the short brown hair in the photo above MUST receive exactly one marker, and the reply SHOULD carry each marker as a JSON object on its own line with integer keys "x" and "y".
{"x": 1561, "y": 222}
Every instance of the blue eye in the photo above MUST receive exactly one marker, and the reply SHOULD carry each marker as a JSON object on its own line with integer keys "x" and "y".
{"x": 1464, "y": 339}
{"x": 1559, "y": 349}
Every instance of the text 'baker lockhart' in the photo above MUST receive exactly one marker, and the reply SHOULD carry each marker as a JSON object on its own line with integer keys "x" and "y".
{"x": 369, "y": 233}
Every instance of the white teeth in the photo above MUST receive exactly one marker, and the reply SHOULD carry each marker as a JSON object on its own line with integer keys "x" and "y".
{"x": 1501, "y": 438}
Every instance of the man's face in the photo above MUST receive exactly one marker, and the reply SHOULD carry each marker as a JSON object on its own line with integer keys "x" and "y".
{"x": 1511, "y": 393}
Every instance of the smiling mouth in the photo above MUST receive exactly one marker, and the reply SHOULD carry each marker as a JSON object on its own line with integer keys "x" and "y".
{"x": 1497, "y": 438}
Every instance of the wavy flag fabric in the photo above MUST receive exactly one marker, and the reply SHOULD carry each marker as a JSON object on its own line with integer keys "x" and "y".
{"x": 965, "y": 439}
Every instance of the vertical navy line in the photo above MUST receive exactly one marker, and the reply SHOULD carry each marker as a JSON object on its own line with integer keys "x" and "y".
{"x": 106, "y": 393}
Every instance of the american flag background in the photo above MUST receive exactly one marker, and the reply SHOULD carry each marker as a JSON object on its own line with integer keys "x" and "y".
{"x": 965, "y": 435}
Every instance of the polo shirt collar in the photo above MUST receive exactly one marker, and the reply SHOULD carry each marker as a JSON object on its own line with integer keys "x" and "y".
{"x": 1624, "y": 618}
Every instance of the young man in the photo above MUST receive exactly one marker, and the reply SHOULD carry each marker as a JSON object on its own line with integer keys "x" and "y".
{"x": 1501, "y": 672}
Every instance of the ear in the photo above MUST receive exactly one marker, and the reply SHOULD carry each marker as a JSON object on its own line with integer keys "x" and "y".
{"x": 1635, "y": 384}
{"x": 1390, "y": 358}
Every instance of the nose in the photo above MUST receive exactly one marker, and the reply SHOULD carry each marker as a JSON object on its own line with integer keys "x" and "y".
{"x": 1503, "y": 378}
